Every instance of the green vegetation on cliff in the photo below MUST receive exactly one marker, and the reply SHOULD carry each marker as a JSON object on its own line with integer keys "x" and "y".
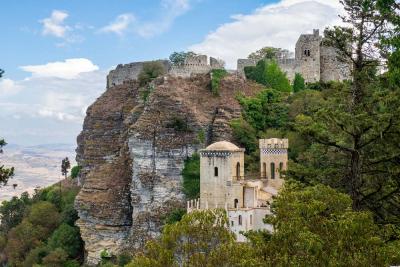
{"x": 268, "y": 73}
{"x": 216, "y": 76}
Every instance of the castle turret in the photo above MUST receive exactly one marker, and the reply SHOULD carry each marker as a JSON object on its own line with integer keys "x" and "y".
{"x": 308, "y": 56}
{"x": 221, "y": 164}
{"x": 273, "y": 159}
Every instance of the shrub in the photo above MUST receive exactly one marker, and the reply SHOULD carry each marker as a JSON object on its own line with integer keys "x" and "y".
{"x": 179, "y": 124}
{"x": 56, "y": 258}
{"x": 150, "y": 71}
{"x": 268, "y": 73}
{"x": 67, "y": 238}
{"x": 75, "y": 171}
{"x": 298, "y": 83}
{"x": 174, "y": 216}
{"x": 216, "y": 76}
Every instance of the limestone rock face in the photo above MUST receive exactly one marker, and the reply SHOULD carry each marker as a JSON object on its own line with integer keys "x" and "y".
{"x": 132, "y": 149}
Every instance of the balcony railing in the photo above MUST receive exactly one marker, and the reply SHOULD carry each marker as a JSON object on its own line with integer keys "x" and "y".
{"x": 249, "y": 177}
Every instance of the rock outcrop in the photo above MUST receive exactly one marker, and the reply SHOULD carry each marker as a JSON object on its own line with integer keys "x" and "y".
{"x": 132, "y": 150}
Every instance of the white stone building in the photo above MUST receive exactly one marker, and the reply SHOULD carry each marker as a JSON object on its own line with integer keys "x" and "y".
{"x": 246, "y": 198}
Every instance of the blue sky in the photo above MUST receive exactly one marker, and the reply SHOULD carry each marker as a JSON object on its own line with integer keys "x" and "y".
{"x": 56, "y": 54}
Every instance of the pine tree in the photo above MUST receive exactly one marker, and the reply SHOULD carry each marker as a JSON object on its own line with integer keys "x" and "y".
{"x": 65, "y": 165}
{"x": 298, "y": 83}
{"x": 355, "y": 134}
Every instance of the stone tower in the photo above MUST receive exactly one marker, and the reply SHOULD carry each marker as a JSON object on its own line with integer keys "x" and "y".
{"x": 221, "y": 164}
{"x": 273, "y": 160}
{"x": 308, "y": 52}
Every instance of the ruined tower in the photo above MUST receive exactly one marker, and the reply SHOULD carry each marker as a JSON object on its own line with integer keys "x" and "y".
{"x": 308, "y": 56}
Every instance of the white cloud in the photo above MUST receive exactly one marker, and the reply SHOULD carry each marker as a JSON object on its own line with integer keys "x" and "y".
{"x": 68, "y": 69}
{"x": 119, "y": 25}
{"x": 277, "y": 25}
{"x": 54, "y": 25}
{"x": 8, "y": 87}
{"x": 48, "y": 105}
{"x": 169, "y": 11}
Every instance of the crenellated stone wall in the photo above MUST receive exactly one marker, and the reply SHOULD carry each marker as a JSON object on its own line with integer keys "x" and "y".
{"x": 197, "y": 64}
{"x": 126, "y": 72}
{"x": 314, "y": 61}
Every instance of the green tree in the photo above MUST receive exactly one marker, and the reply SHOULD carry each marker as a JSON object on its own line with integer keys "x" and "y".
{"x": 150, "y": 71}
{"x": 266, "y": 53}
{"x": 298, "y": 83}
{"x": 268, "y": 73}
{"x": 357, "y": 128}
{"x": 75, "y": 171}
{"x": 67, "y": 238}
{"x": 265, "y": 110}
{"x": 45, "y": 217}
{"x": 191, "y": 177}
{"x": 20, "y": 241}
{"x": 190, "y": 242}
{"x": 65, "y": 165}
{"x": 178, "y": 58}
{"x": 12, "y": 212}
{"x": 5, "y": 173}
{"x": 56, "y": 258}
{"x": 315, "y": 226}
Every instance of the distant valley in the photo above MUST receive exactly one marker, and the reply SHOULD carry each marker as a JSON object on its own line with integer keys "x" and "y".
{"x": 35, "y": 166}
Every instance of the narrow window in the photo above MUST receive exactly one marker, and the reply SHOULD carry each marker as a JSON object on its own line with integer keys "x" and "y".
{"x": 215, "y": 171}
{"x": 281, "y": 166}
{"x": 240, "y": 219}
{"x": 251, "y": 219}
{"x": 308, "y": 52}
{"x": 231, "y": 223}
{"x": 236, "y": 203}
{"x": 238, "y": 171}
{"x": 272, "y": 170}
{"x": 264, "y": 170}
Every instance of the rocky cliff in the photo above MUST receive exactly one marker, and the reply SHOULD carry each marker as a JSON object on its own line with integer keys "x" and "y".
{"x": 132, "y": 150}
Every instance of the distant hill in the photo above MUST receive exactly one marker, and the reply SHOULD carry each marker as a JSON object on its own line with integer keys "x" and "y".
{"x": 35, "y": 166}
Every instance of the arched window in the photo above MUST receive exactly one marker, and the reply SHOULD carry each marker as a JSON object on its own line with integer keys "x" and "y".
{"x": 240, "y": 219}
{"x": 238, "y": 171}
{"x": 264, "y": 174}
{"x": 215, "y": 171}
{"x": 281, "y": 166}
{"x": 236, "y": 203}
{"x": 272, "y": 170}
{"x": 307, "y": 52}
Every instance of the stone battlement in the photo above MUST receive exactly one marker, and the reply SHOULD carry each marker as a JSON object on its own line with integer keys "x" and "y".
{"x": 314, "y": 61}
{"x": 197, "y": 64}
{"x": 274, "y": 143}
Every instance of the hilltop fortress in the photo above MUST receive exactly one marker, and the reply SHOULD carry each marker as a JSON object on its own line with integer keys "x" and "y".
{"x": 197, "y": 64}
{"x": 313, "y": 60}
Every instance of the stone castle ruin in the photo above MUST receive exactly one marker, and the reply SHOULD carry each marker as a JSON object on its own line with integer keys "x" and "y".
{"x": 313, "y": 60}
{"x": 194, "y": 64}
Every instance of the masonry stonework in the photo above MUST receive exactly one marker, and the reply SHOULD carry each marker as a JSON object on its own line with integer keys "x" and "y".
{"x": 197, "y": 64}
{"x": 313, "y": 60}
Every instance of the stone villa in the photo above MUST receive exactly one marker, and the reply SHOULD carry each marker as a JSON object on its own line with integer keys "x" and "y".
{"x": 224, "y": 184}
